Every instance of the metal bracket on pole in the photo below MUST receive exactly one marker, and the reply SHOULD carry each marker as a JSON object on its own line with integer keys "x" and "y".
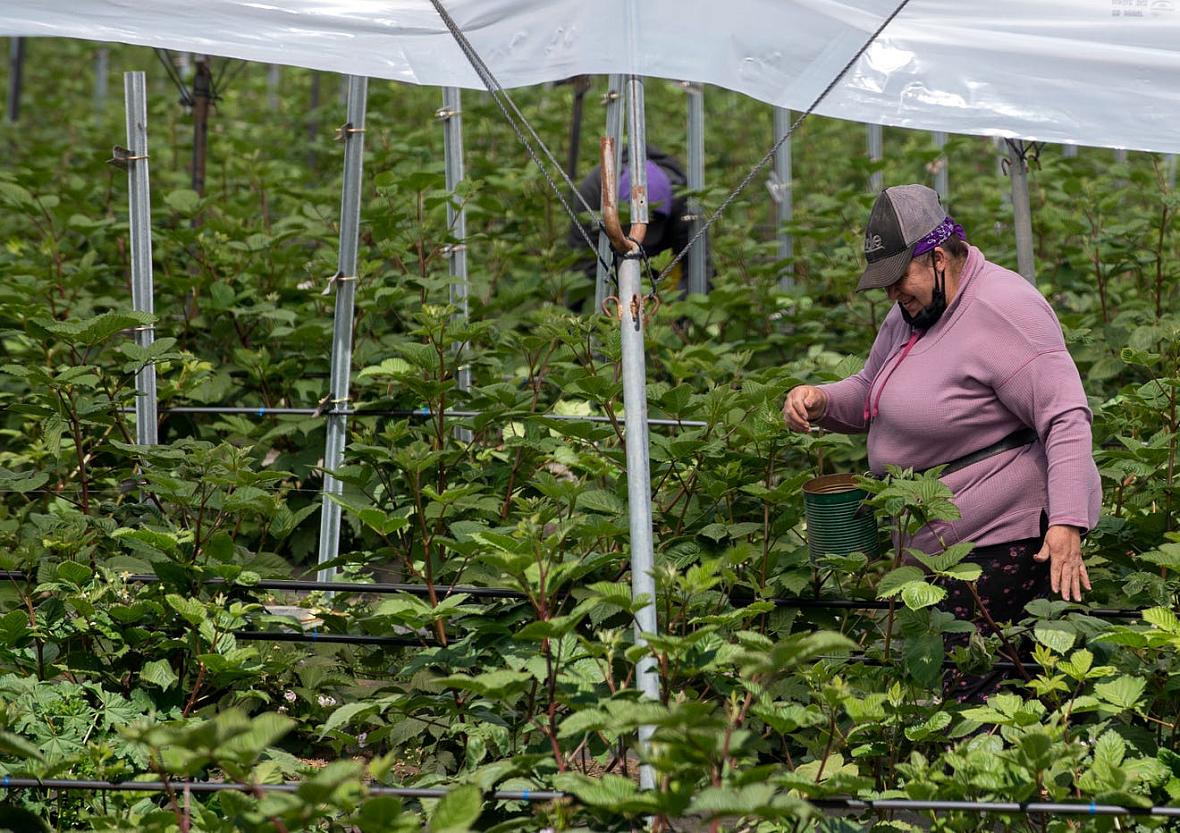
{"x": 134, "y": 159}
{"x": 876, "y": 148}
{"x": 1021, "y": 213}
{"x": 783, "y": 196}
{"x": 457, "y": 223}
{"x": 353, "y": 136}
{"x": 631, "y": 307}
{"x": 940, "y": 165}
{"x": 612, "y": 99}
{"x": 697, "y": 255}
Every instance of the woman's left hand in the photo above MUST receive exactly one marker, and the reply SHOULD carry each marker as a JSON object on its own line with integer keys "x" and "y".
{"x": 1067, "y": 572}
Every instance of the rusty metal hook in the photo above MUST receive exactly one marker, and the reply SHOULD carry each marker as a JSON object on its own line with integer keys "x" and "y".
{"x": 624, "y": 244}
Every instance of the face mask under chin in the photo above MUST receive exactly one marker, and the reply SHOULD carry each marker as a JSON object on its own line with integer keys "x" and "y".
{"x": 929, "y": 314}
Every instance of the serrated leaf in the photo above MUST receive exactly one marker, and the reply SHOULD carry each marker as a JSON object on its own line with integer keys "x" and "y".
{"x": 1123, "y": 693}
{"x": 457, "y": 811}
{"x": 1055, "y": 635}
{"x": 922, "y": 594}
{"x": 894, "y": 582}
{"x": 159, "y": 673}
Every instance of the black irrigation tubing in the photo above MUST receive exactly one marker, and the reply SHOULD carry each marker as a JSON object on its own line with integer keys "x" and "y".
{"x": 8, "y": 782}
{"x": 1027, "y": 808}
{"x": 401, "y": 413}
{"x": 382, "y": 588}
{"x": 319, "y": 637}
{"x": 997, "y": 807}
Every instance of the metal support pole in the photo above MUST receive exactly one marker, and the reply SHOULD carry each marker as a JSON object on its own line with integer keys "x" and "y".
{"x": 1069, "y": 151}
{"x": 696, "y": 182}
{"x": 876, "y": 147}
{"x": 783, "y": 196}
{"x": 16, "y": 70}
{"x": 202, "y": 99}
{"x": 353, "y": 136}
{"x": 941, "y": 177}
{"x": 1021, "y": 214}
{"x": 631, "y": 313}
{"x": 613, "y": 99}
{"x": 102, "y": 69}
{"x": 139, "y": 199}
{"x": 452, "y": 119}
{"x": 274, "y": 78}
{"x": 1120, "y": 155}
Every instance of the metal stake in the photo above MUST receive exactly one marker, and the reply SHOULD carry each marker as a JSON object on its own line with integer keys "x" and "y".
{"x": 1170, "y": 169}
{"x": 452, "y": 120}
{"x": 614, "y": 130}
{"x": 16, "y": 69}
{"x": 1069, "y": 151}
{"x": 102, "y": 69}
{"x": 1120, "y": 155}
{"x": 353, "y": 135}
{"x": 631, "y": 308}
{"x": 202, "y": 98}
{"x": 139, "y": 198}
{"x": 696, "y": 182}
{"x": 783, "y": 196}
{"x": 941, "y": 177}
{"x": 1021, "y": 214}
{"x": 876, "y": 147}
{"x": 274, "y": 77}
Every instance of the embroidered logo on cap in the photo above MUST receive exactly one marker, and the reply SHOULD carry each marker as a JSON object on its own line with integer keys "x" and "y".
{"x": 873, "y": 243}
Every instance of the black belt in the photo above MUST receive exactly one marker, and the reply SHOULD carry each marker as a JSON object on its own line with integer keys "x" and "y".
{"x": 1016, "y": 439}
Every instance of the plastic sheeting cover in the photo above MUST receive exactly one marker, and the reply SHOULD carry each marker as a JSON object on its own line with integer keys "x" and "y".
{"x": 1093, "y": 72}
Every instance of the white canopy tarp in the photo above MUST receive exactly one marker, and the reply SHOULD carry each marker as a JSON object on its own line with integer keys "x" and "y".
{"x": 1090, "y": 72}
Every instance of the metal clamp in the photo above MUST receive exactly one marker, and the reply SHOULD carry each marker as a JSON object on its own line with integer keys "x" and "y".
{"x": 334, "y": 279}
{"x": 643, "y": 307}
{"x": 446, "y": 113}
{"x": 452, "y": 249}
{"x": 778, "y": 188}
{"x": 611, "y": 96}
{"x": 345, "y": 130}
{"x": 121, "y": 156}
{"x": 1029, "y": 153}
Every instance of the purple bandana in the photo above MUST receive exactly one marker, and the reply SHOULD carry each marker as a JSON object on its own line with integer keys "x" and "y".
{"x": 939, "y": 236}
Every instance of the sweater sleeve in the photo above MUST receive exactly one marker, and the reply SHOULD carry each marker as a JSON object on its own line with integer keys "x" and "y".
{"x": 845, "y": 413}
{"x": 1046, "y": 393}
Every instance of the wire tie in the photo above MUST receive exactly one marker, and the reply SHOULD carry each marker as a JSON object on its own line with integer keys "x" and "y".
{"x": 523, "y": 793}
{"x": 341, "y": 399}
{"x": 337, "y": 278}
{"x": 261, "y": 410}
{"x": 315, "y": 634}
{"x": 1093, "y": 808}
{"x": 453, "y": 248}
{"x": 120, "y": 156}
{"x": 4, "y": 782}
{"x": 345, "y": 130}
{"x": 446, "y": 113}
{"x": 146, "y": 328}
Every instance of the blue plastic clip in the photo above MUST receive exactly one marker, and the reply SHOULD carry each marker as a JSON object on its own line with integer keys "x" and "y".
{"x": 314, "y": 634}
{"x": 1093, "y": 809}
{"x": 524, "y": 794}
{"x": 4, "y": 781}
{"x": 261, "y": 410}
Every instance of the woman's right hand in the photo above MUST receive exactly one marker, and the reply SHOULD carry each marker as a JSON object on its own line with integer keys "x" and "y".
{"x": 804, "y": 403}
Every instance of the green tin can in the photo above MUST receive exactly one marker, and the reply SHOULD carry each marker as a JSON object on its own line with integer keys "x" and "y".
{"x": 838, "y": 520}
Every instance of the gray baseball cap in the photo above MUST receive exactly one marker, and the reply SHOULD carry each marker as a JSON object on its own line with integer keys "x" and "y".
{"x": 901, "y": 217}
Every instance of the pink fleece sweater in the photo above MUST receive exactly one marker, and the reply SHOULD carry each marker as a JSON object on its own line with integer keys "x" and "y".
{"x": 994, "y": 363}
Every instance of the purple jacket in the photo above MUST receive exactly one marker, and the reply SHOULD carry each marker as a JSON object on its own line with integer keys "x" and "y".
{"x": 994, "y": 363}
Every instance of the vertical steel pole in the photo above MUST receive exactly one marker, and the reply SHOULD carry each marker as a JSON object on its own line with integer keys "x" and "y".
{"x": 1069, "y": 151}
{"x": 452, "y": 119}
{"x": 139, "y": 199}
{"x": 16, "y": 70}
{"x": 631, "y": 306}
{"x": 1021, "y": 214}
{"x": 876, "y": 147}
{"x": 1120, "y": 155}
{"x": 696, "y": 182}
{"x": 274, "y": 78}
{"x": 353, "y": 134}
{"x": 102, "y": 69}
{"x": 613, "y": 99}
{"x": 782, "y": 194}
{"x": 202, "y": 101}
{"x": 941, "y": 175}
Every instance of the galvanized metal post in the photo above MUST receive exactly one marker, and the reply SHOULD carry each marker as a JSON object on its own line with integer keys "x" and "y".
{"x": 16, "y": 70}
{"x": 631, "y": 313}
{"x": 876, "y": 143}
{"x": 696, "y": 182}
{"x": 344, "y": 281}
{"x": 139, "y": 200}
{"x": 1120, "y": 155}
{"x": 613, "y": 99}
{"x": 274, "y": 79}
{"x": 1021, "y": 214}
{"x": 451, "y": 115}
{"x": 102, "y": 69}
{"x": 941, "y": 177}
{"x": 1069, "y": 151}
{"x": 783, "y": 196}
{"x": 202, "y": 102}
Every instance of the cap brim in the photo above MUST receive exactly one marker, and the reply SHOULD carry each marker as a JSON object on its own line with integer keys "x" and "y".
{"x": 886, "y": 271}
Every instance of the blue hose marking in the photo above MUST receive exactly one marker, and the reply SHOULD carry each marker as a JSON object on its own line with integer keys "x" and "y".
{"x": 525, "y": 795}
{"x": 1093, "y": 809}
{"x": 261, "y": 410}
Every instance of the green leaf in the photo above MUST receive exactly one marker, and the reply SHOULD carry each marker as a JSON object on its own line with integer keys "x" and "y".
{"x": 457, "y": 811}
{"x": 1162, "y": 618}
{"x": 1123, "y": 693}
{"x": 930, "y": 726}
{"x": 159, "y": 673}
{"x": 341, "y": 716}
{"x": 183, "y": 201}
{"x": 607, "y": 792}
{"x": 1055, "y": 635}
{"x": 893, "y": 583}
{"x": 922, "y": 594}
